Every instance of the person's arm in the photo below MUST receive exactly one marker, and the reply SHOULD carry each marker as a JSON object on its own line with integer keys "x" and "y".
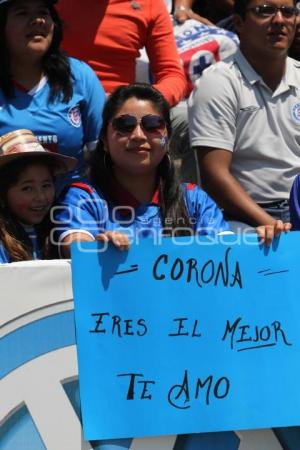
{"x": 209, "y": 219}
{"x": 165, "y": 63}
{"x": 79, "y": 215}
{"x": 230, "y": 195}
{"x": 218, "y": 181}
{"x": 183, "y": 11}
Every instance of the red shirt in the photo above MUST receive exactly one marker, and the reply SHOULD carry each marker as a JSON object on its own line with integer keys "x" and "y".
{"x": 108, "y": 34}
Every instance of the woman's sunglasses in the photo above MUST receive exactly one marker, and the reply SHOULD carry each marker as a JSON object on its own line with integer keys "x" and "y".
{"x": 150, "y": 123}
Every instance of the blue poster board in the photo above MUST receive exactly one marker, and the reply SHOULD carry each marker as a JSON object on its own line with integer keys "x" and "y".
{"x": 187, "y": 336}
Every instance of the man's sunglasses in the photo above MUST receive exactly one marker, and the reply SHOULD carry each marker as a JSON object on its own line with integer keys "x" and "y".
{"x": 270, "y": 10}
{"x": 150, "y": 123}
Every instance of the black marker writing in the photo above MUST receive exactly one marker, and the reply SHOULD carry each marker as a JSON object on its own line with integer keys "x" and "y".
{"x": 181, "y": 328}
{"x": 134, "y": 268}
{"x": 116, "y": 325}
{"x": 180, "y": 395}
{"x": 241, "y": 336}
{"x": 144, "y": 394}
{"x": 224, "y": 273}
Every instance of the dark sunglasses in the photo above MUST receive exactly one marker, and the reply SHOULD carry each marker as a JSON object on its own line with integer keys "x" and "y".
{"x": 270, "y": 10}
{"x": 127, "y": 123}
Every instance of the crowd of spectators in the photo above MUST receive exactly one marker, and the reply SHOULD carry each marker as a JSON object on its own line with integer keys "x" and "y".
{"x": 243, "y": 112}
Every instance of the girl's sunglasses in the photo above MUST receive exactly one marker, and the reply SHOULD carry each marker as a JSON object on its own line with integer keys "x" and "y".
{"x": 150, "y": 123}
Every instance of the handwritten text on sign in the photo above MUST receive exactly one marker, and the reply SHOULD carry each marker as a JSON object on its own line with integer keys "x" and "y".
{"x": 187, "y": 338}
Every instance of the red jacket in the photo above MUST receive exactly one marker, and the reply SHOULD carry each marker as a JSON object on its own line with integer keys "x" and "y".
{"x": 108, "y": 34}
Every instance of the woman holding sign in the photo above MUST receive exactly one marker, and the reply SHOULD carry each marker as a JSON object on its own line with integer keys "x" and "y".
{"x": 133, "y": 191}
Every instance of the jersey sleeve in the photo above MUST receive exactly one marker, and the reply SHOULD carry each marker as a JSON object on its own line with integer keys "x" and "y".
{"x": 205, "y": 215}
{"x": 79, "y": 210}
{"x": 94, "y": 99}
{"x": 295, "y": 204}
{"x": 213, "y": 109}
{"x": 4, "y": 257}
{"x": 169, "y": 77}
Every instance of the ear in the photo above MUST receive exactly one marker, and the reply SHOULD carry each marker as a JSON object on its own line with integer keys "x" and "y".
{"x": 238, "y": 23}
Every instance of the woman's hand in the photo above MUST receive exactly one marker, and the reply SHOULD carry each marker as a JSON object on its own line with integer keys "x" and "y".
{"x": 266, "y": 233}
{"x": 120, "y": 240}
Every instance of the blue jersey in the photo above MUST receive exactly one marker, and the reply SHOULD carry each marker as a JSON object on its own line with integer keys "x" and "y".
{"x": 4, "y": 256}
{"x": 295, "y": 204}
{"x": 36, "y": 251}
{"x": 85, "y": 209}
{"x": 61, "y": 127}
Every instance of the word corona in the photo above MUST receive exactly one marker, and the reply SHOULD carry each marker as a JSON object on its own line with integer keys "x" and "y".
{"x": 225, "y": 273}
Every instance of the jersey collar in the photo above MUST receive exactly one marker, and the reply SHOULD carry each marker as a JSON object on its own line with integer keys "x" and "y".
{"x": 121, "y": 197}
{"x": 35, "y": 88}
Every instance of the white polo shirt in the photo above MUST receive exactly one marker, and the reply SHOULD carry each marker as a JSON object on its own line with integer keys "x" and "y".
{"x": 232, "y": 108}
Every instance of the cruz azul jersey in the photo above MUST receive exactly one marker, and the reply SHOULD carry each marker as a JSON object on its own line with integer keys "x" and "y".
{"x": 84, "y": 209}
{"x": 61, "y": 127}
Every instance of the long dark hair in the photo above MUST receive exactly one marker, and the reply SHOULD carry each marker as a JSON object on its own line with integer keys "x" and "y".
{"x": 55, "y": 63}
{"x": 174, "y": 215}
{"x": 12, "y": 235}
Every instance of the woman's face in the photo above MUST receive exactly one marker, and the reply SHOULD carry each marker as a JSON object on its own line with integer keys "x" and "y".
{"x": 137, "y": 147}
{"x": 32, "y": 196}
{"x": 29, "y": 29}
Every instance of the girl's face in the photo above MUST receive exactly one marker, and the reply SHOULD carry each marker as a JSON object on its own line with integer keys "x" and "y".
{"x": 29, "y": 29}
{"x": 31, "y": 197}
{"x": 137, "y": 137}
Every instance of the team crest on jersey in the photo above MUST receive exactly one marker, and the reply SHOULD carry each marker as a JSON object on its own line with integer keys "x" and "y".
{"x": 74, "y": 116}
{"x": 296, "y": 113}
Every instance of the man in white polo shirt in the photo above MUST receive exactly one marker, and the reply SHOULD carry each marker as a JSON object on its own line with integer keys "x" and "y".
{"x": 245, "y": 117}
